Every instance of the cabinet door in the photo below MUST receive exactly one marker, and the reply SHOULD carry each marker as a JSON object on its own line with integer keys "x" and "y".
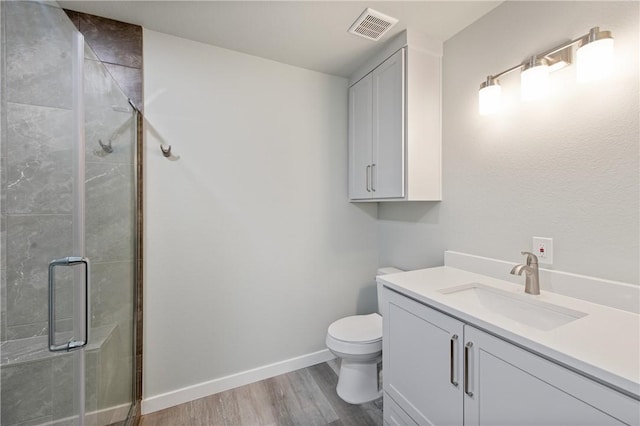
{"x": 388, "y": 128}
{"x": 512, "y": 386}
{"x": 422, "y": 361}
{"x": 360, "y": 129}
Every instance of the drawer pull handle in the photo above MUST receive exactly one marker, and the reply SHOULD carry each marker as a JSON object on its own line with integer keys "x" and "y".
{"x": 373, "y": 177}
{"x": 368, "y": 178}
{"x": 452, "y": 360}
{"x": 467, "y": 367}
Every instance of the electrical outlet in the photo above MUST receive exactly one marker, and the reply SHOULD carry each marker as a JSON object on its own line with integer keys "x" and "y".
{"x": 543, "y": 248}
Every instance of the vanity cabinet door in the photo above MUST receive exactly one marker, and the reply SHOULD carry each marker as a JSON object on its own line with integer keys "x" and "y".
{"x": 509, "y": 385}
{"x": 422, "y": 361}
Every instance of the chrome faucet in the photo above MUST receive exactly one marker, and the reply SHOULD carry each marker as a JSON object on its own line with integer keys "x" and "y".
{"x": 532, "y": 279}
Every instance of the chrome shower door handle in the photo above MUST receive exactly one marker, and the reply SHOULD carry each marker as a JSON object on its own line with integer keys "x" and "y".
{"x": 72, "y": 344}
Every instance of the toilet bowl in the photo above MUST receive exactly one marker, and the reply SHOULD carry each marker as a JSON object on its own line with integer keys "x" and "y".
{"x": 357, "y": 341}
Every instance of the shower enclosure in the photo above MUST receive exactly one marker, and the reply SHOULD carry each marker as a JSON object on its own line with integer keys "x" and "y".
{"x": 68, "y": 194}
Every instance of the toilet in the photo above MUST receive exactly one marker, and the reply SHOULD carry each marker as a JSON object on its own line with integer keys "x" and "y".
{"x": 357, "y": 341}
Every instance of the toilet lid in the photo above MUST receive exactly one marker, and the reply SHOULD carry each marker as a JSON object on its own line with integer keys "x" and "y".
{"x": 357, "y": 328}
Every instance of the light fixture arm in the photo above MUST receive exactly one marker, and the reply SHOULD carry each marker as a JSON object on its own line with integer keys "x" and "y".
{"x": 593, "y": 35}
{"x": 507, "y": 71}
{"x": 561, "y": 47}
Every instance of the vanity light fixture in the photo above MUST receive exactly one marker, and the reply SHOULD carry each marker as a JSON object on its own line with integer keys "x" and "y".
{"x": 534, "y": 79}
{"x": 489, "y": 96}
{"x": 595, "y": 62}
{"x": 595, "y": 56}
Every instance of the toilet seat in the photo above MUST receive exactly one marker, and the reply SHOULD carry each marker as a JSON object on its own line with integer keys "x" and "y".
{"x": 357, "y": 329}
{"x": 356, "y": 335}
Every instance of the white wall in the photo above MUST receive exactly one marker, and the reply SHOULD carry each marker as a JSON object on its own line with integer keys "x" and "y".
{"x": 566, "y": 168}
{"x": 252, "y": 248}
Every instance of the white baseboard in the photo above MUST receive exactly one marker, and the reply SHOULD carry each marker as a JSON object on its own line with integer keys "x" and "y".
{"x": 200, "y": 390}
{"x": 614, "y": 294}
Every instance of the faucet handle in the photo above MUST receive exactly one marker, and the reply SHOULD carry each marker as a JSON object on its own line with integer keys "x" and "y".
{"x": 532, "y": 259}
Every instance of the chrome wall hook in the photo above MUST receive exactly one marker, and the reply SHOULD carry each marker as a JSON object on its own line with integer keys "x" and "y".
{"x": 106, "y": 148}
{"x": 165, "y": 151}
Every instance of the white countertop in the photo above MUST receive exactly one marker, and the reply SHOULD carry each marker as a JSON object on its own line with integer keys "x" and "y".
{"x": 604, "y": 344}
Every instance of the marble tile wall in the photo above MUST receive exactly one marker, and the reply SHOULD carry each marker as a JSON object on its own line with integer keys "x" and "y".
{"x": 37, "y": 53}
{"x": 36, "y": 163}
{"x": 30, "y": 400}
{"x": 36, "y": 200}
{"x": 48, "y": 395}
{"x": 39, "y": 160}
{"x": 118, "y": 46}
{"x": 32, "y": 241}
{"x": 36, "y": 203}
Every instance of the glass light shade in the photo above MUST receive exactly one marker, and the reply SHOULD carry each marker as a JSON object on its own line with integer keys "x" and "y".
{"x": 595, "y": 60}
{"x": 534, "y": 83}
{"x": 489, "y": 99}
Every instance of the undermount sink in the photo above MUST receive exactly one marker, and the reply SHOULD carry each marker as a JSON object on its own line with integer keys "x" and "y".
{"x": 521, "y": 308}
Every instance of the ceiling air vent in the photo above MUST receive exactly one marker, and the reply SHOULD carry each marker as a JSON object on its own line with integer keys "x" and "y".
{"x": 372, "y": 24}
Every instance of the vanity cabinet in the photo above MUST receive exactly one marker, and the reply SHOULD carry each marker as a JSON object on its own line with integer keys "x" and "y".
{"x": 421, "y": 359}
{"x": 394, "y": 128}
{"x": 441, "y": 371}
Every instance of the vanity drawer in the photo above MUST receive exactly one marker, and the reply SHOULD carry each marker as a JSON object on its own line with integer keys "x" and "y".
{"x": 393, "y": 415}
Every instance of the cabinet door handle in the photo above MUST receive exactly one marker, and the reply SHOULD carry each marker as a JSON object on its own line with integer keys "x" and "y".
{"x": 467, "y": 367}
{"x": 373, "y": 169}
{"x": 368, "y": 178}
{"x": 452, "y": 360}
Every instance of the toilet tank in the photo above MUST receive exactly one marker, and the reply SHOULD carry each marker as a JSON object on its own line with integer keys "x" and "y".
{"x": 384, "y": 271}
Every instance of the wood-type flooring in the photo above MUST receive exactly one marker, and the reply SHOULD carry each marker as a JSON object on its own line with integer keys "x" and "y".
{"x": 303, "y": 397}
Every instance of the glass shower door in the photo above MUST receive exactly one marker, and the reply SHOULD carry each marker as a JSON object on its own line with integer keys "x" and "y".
{"x": 67, "y": 157}
{"x": 110, "y": 191}
{"x": 39, "y": 185}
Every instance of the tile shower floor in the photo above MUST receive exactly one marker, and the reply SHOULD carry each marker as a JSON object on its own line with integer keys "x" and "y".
{"x": 302, "y": 397}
